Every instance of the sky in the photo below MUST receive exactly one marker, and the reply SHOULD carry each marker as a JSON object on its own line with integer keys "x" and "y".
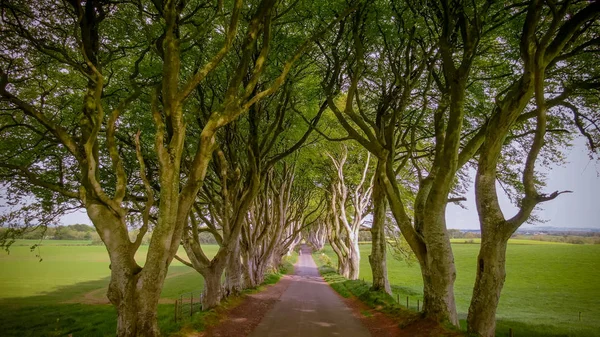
{"x": 579, "y": 209}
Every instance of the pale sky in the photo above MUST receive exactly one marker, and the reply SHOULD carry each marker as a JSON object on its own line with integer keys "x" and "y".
{"x": 579, "y": 209}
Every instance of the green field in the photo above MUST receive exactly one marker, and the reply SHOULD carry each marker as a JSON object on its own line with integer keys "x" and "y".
{"x": 48, "y": 298}
{"x": 547, "y": 286}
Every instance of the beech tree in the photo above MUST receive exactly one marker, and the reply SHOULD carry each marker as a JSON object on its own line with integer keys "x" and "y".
{"x": 551, "y": 34}
{"x": 316, "y": 235}
{"x": 349, "y": 205}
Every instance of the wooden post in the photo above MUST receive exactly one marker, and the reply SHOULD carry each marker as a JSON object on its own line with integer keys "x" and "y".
{"x": 191, "y": 304}
{"x": 176, "y": 310}
{"x": 406, "y": 302}
{"x": 510, "y": 332}
{"x": 580, "y": 316}
{"x": 417, "y": 305}
{"x": 398, "y": 298}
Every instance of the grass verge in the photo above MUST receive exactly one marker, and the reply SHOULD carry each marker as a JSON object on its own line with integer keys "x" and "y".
{"x": 359, "y": 289}
{"x": 383, "y": 302}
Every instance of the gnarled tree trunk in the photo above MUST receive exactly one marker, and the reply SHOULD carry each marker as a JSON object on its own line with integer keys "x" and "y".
{"x": 354, "y": 257}
{"x": 439, "y": 274}
{"x": 491, "y": 275}
{"x": 378, "y": 258}
{"x": 136, "y": 299}
{"x": 213, "y": 287}
{"x": 234, "y": 276}
{"x": 343, "y": 231}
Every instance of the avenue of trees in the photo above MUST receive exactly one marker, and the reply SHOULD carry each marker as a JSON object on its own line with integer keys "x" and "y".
{"x": 259, "y": 123}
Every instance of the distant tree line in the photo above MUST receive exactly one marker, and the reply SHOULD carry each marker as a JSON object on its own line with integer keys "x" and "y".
{"x": 577, "y": 239}
{"x": 70, "y": 232}
{"x": 86, "y": 232}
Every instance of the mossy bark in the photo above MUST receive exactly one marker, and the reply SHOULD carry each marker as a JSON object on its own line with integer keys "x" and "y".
{"x": 378, "y": 259}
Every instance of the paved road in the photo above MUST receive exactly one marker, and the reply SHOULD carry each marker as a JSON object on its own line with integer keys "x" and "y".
{"x": 309, "y": 308}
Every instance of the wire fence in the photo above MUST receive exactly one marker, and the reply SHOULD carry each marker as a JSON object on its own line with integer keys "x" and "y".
{"x": 187, "y": 304}
{"x": 409, "y": 303}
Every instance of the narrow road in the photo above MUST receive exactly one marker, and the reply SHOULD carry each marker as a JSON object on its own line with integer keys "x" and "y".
{"x": 309, "y": 308}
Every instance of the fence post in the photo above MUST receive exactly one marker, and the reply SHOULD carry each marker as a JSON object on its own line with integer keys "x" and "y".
{"x": 176, "y": 310}
{"x": 510, "y": 332}
{"x": 417, "y": 305}
{"x": 398, "y": 298}
{"x": 191, "y": 303}
{"x": 580, "y": 316}
{"x": 406, "y": 302}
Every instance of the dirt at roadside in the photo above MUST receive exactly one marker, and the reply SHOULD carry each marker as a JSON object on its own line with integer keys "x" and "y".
{"x": 241, "y": 320}
{"x": 382, "y": 325}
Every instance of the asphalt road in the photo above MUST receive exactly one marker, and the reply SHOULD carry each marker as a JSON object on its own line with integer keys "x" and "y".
{"x": 309, "y": 308}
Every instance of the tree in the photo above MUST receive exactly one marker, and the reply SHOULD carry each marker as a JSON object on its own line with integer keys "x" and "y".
{"x": 344, "y": 227}
{"x": 552, "y": 34}
{"x": 316, "y": 235}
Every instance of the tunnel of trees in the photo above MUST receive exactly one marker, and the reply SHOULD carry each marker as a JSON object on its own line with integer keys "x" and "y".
{"x": 265, "y": 122}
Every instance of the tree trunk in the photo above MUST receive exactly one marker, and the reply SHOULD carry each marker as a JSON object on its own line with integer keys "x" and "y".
{"x": 213, "y": 289}
{"x": 439, "y": 274}
{"x": 259, "y": 273}
{"x": 378, "y": 258}
{"x": 344, "y": 266}
{"x": 135, "y": 294}
{"x": 134, "y": 291}
{"x": 249, "y": 268}
{"x": 276, "y": 260}
{"x": 234, "y": 278}
{"x": 354, "y": 259}
{"x": 137, "y": 316}
{"x": 491, "y": 274}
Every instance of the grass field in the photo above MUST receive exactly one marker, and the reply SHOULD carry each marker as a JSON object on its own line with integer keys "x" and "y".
{"x": 547, "y": 286}
{"x": 41, "y": 298}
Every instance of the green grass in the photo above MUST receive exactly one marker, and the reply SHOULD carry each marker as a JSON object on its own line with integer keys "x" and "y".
{"x": 547, "y": 286}
{"x": 67, "y": 272}
{"x": 36, "y": 298}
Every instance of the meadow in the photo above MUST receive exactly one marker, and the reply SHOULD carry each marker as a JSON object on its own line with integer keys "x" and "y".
{"x": 548, "y": 285}
{"x": 56, "y": 296}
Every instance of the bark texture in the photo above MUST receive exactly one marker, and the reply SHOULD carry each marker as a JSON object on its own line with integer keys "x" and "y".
{"x": 378, "y": 257}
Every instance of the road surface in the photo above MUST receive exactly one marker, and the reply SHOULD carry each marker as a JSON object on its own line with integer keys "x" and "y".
{"x": 309, "y": 308}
